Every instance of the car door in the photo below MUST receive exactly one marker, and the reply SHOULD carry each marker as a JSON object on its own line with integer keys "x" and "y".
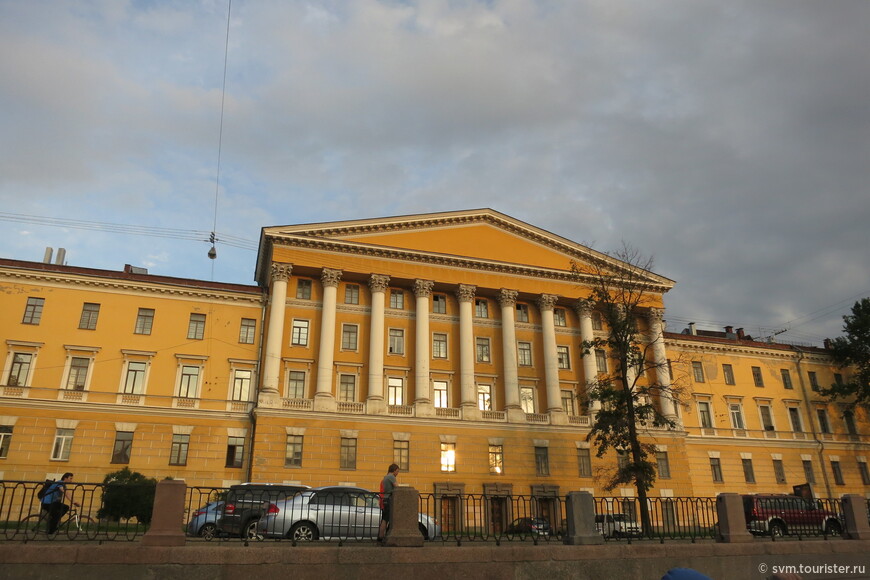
{"x": 366, "y": 514}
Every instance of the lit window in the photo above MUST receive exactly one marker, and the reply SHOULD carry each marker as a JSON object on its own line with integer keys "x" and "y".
{"x": 351, "y": 294}
{"x": 757, "y": 378}
{"x": 179, "y": 449}
{"x": 483, "y": 355}
{"x": 527, "y": 399}
{"x": 293, "y": 453}
{"x": 522, "y": 312}
{"x": 90, "y": 313}
{"x": 402, "y": 454}
{"x": 247, "y": 331}
{"x": 397, "y": 341}
{"x": 496, "y": 459}
{"x": 448, "y": 457}
{"x": 123, "y": 447}
{"x": 347, "y": 388}
{"x": 347, "y": 453}
{"x": 484, "y": 397}
{"x": 303, "y": 289}
{"x": 728, "y": 373}
{"x": 349, "y": 337}
{"x": 33, "y": 311}
{"x": 299, "y": 333}
{"x": 397, "y": 299}
{"x": 63, "y": 439}
{"x": 235, "y": 451}
{"x": 144, "y": 321}
{"x": 698, "y": 371}
{"x": 296, "y": 385}
{"x": 188, "y": 381}
{"x": 542, "y": 460}
{"x": 241, "y": 385}
{"x": 439, "y": 389}
{"x": 439, "y": 304}
{"x": 439, "y": 345}
{"x": 481, "y": 308}
{"x": 196, "y": 327}
{"x": 563, "y": 357}
{"x": 395, "y": 391}
{"x": 559, "y": 317}
{"x": 524, "y": 354}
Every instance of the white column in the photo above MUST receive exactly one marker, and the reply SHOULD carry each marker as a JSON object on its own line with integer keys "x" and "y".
{"x": 468, "y": 391}
{"x": 660, "y": 358}
{"x": 590, "y": 367}
{"x": 375, "y": 401}
{"x": 270, "y": 393}
{"x": 507, "y": 299}
{"x": 324, "y": 399}
{"x": 546, "y": 302}
{"x": 422, "y": 290}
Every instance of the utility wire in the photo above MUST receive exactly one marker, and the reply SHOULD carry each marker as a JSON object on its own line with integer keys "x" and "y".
{"x": 217, "y": 181}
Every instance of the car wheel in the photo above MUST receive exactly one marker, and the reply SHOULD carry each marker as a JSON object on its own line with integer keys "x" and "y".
{"x": 777, "y": 529}
{"x": 833, "y": 528}
{"x": 207, "y": 532}
{"x": 303, "y": 532}
{"x": 249, "y": 532}
{"x": 424, "y": 532}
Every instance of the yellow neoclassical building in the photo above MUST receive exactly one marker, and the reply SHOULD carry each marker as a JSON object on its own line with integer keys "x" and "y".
{"x": 448, "y": 343}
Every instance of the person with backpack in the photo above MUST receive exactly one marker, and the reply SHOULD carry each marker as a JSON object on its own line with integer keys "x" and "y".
{"x": 53, "y": 505}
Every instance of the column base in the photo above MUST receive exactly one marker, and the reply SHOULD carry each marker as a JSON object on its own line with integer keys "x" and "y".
{"x": 376, "y": 406}
{"x": 269, "y": 399}
{"x": 324, "y": 402}
{"x": 424, "y": 408}
{"x": 558, "y": 416}
{"x": 515, "y": 415}
{"x": 470, "y": 412}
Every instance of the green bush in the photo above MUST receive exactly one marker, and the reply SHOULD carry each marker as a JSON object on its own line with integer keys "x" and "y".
{"x": 128, "y": 494}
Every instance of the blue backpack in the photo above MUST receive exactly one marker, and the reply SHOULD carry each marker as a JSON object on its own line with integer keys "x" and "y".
{"x": 49, "y": 491}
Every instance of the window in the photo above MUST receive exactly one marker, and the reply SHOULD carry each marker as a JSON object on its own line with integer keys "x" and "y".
{"x": 824, "y": 424}
{"x": 178, "y": 452}
{"x": 756, "y": 377}
{"x": 481, "y": 308}
{"x": 134, "y": 382}
{"x": 698, "y": 371}
{"x": 349, "y": 336}
{"x": 78, "y": 373}
{"x": 63, "y": 439}
{"x": 795, "y": 415}
{"x": 584, "y": 462}
{"x": 299, "y": 333}
{"x": 241, "y": 385}
{"x": 296, "y": 385}
{"x": 748, "y": 471}
{"x": 347, "y": 388}
{"x": 522, "y": 312}
{"x": 483, "y": 355}
{"x": 397, "y": 299}
{"x": 705, "y": 416}
{"x": 90, "y": 313}
{"x": 524, "y": 354}
{"x": 778, "y": 471}
{"x": 293, "y": 452}
{"x": 439, "y": 389}
{"x": 123, "y": 447}
{"x": 527, "y": 399}
{"x": 188, "y": 381}
{"x": 563, "y": 357}
{"x": 809, "y": 473}
{"x": 814, "y": 380}
{"x": 196, "y": 327}
{"x": 838, "y": 473}
{"x": 395, "y": 391}
{"x": 247, "y": 331}
{"x": 728, "y": 373}
{"x": 766, "y": 417}
{"x": 235, "y": 451}
{"x": 439, "y": 304}
{"x": 402, "y": 454}
{"x": 849, "y": 421}
{"x": 347, "y": 454}
{"x": 144, "y": 321}
{"x": 736, "y": 410}
{"x": 439, "y": 345}
{"x": 397, "y": 341}
{"x": 621, "y": 459}
{"x": 496, "y": 459}
{"x": 664, "y": 466}
{"x": 351, "y": 294}
{"x": 838, "y": 379}
{"x": 865, "y": 475}
{"x": 716, "y": 469}
{"x": 303, "y": 289}
{"x": 568, "y": 402}
{"x": 19, "y": 372}
{"x": 600, "y": 360}
{"x": 33, "y": 311}
{"x": 542, "y": 460}
{"x": 484, "y": 397}
{"x": 5, "y": 440}
{"x": 448, "y": 457}
{"x": 597, "y": 323}
{"x": 559, "y": 318}
{"x": 786, "y": 378}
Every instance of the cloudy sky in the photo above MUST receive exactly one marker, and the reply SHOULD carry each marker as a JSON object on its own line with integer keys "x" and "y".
{"x": 729, "y": 140}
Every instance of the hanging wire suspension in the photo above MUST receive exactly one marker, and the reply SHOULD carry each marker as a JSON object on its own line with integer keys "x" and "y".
{"x": 212, "y": 253}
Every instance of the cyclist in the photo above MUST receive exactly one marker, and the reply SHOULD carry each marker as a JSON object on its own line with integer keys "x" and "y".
{"x": 53, "y": 502}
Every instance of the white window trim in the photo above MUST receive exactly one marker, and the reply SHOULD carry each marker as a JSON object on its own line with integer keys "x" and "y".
{"x": 88, "y": 352}
{"x": 341, "y": 343}
{"x": 137, "y": 356}
{"x": 307, "y": 332}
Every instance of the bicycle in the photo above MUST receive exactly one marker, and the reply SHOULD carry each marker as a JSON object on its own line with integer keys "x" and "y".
{"x": 71, "y": 525}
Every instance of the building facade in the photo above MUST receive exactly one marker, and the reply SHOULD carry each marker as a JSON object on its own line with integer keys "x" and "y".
{"x": 448, "y": 343}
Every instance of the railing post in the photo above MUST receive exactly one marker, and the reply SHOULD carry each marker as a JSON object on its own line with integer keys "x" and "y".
{"x": 404, "y": 525}
{"x": 580, "y": 508}
{"x": 167, "y": 518}
{"x": 732, "y": 520}
{"x": 856, "y": 524}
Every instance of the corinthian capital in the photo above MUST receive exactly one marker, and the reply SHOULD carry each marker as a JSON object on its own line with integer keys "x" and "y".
{"x": 507, "y": 297}
{"x": 281, "y": 271}
{"x": 465, "y": 293}
{"x": 547, "y": 301}
{"x": 655, "y": 315}
{"x": 330, "y": 277}
{"x": 379, "y": 282}
{"x": 423, "y": 288}
{"x": 584, "y": 307}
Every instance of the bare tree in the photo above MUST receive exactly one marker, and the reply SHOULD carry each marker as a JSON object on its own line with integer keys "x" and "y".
{"x": 627, "y": 399}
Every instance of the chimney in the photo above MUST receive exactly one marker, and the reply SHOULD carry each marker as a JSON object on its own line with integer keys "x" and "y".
{"x": 61, "y": 256}
{"x": 46, "y": 259}
{"x": 828, "y": 344}
{"x": 740, "y": 334}
{"x": 692, "y": 329}
{"x": 729, "y": 330}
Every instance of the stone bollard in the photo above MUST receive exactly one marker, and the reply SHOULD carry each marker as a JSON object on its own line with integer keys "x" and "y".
{"x": 855, "y": 515}
{"x": 581, "y": 520}
{"x": 732, "y": 520}
{"x": 167, "y": 518}
{"x": 404, "y": 525}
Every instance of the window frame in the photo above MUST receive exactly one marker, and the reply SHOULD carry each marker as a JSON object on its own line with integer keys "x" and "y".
{"x": 662, "y": 459}
{"x": 528, "y": 403}
{"x": 19, "y": 366}
{"x": 247, "y": 331}
{"x": 396, "y": 342}
{"x": 448, "y": 457}
{"x": 560, "y": 317}
{"x": 601, "y": 361}
{"x": 33, "y": 309}
{"x": 402, "y": 454}
{"x": 140, "y": 377}
{"x": 542, "y": 461}
{"x": 90, "y": 316}
{"x": 481, "y": 308}
{"x": 779, "y": 471}
{"x": 300, "y": 332}
{"x": 524, "y": 353}
{"x": 351, "y": 293}
{"x": 293, "y": 448}
{"x": 757, "y": 377}
{"x": 439, "y": 304}
{"x": 179, "y": 449}
{"x": 144, "y": 321}
{"x": 496, "y": 459}
{"x": 196, "y": 326}
{"x": 6, "y": 432}
{"x": 63, "y": 440}
{"x": 584, "y": 462}
{"x": 698, "y": 371}
{"x": 484, "y": 397}
{"x": 295, "y": 383}
{"x": 303, "y": 288}
{"x": 809, "y": 471}
{"x": 482, "y": 350}
{"x": 397, "y": 299}
{"x": 345, "y": 379}
{"x": 563, "y": 357}
{"x": 735, "y": 412}
{"x": 728, "y": 374}
{"x": 235, "y": 458}
{"x": 814, "y": 381}
{"x": 440, "y": 396}
{"x": 123, "y": 447}
{"x": 748, "y": 470}
{"x": 396, "y": 386}
{"x": 349, "y": 337}
{"x": 439, "y": 345}
{"x": 716, "y": 470}
{"x": 785, "y": 375}
{"x": 347, "y": 453}
{"x": 522, "y": 312}
{"x": 241, "y": 385}
{"x": 837, "y": 471}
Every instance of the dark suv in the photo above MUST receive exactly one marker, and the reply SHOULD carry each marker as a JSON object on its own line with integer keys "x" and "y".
{"x": 246, "y": 503}
{"x": 778, "y": 515}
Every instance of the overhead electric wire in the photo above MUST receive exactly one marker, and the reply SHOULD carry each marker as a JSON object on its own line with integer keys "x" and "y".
{"x": 213, "y": 237}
